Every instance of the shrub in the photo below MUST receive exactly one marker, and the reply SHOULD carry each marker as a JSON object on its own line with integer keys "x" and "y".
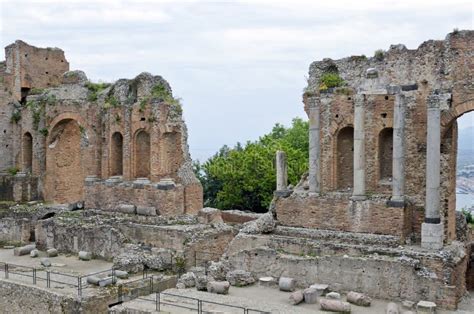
{"x": 468, "y": 215}
{"x": 379, "y": 54}
{"x": 44, "y": 132}
{"x": 16, "y": 116}
{"x": 36, "y": 91}
{"x": 329, "y": 80}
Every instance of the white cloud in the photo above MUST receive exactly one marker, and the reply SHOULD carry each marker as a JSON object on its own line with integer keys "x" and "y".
{"x": 244, "y": 59}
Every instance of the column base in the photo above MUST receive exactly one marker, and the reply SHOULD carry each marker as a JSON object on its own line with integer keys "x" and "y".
{"x": 432, "y": 236}
{"x": 358, "y": 197}
{"x": 396, "y": 202}
{"x": 282, "y": 193}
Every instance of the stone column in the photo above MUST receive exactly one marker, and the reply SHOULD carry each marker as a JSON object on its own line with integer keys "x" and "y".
{"x": 432, "y": 229}
{"x": 398, "y": 163}
{"x": 314, "y": 145}
{"x": 281, "y": 171}
{"x": 359, "y": 148}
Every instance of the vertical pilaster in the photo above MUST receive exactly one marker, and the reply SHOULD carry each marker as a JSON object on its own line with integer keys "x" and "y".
{"x": 281, "y": 171}
{"x": 359, "y": 148}
{"x": 314, "y": 145}
{"x": 398, "y": 165}
{"x": 432, "y": 229}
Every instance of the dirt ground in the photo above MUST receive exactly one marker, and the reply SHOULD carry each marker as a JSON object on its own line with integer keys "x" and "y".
{"x": 259, "y": 298}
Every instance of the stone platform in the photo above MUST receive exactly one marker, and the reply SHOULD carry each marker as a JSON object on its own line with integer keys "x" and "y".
{"x": 368, "y": 263}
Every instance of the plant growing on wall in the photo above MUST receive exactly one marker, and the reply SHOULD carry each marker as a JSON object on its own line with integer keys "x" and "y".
{"x": 379, "y": 54}
{"x": 95, "y": 89}
{"x": 330, "y": 80}
{"x": 13, "y": 170}
{"x": 16, "y": 116}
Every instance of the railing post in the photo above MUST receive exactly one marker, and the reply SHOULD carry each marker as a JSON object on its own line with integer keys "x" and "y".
{"x": 79, "y": 286}
{"x": 34, "y": 276}
{"x": 6, "y": 271}
{"x": 158, "y": 305}
{"x": 195, "y": 259}
{"x": 48, "y": 283}
{"x": 114, "y": 280}
{"x": 199, "y": 306}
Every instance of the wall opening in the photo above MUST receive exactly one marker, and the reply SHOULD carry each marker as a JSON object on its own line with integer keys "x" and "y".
{"x": 27, "y": 152}
{"x": 345, "y": 158}
{"x": 142, "y": 154}
{"x": 116, "y": 155}
{"x": 64, "y": 173}
{"x": 385, "y": 154}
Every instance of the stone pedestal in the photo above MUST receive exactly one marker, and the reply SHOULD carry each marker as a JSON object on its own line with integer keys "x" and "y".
{"x": 359, "y": 148}
{"x": 314, "y": 145}
{"x": 432, "y": 236}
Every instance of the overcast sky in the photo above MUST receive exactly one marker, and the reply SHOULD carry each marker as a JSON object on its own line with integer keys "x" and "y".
{"x": 239, "y": 66}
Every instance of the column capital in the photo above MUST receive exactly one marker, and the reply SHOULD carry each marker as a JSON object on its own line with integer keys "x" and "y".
{"x": 359, "y": 99}
{"x": 314, "y": 101}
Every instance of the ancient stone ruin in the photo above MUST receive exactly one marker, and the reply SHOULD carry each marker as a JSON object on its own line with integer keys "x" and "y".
{"x": 101, "y": 145}
{"x": 102, "y": 172}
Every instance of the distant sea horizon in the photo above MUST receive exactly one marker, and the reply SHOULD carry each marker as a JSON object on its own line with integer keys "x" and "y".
{"x": 464, "y": 201}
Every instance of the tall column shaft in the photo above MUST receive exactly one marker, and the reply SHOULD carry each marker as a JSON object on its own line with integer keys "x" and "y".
{"x": 433, "y": 156}
{"x": 314, "y": 145}
{"x": 398, "y": 165}
{"x": 359, "y": 147}
{"x": 281, "y": 171}
{"x": 432, "y": 228}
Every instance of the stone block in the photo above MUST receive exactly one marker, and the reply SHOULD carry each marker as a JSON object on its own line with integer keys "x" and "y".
{"x": 311, "y": 295}
{"x": 52, "y": 252}
{"x": 426, "y": 307}
{"x": 85, "y": 256}
{"x": 188, "y": 280}
{"x": 119, "y": 274}
{"x": 333, "y": 295}
{"x": 219, "y": 287}
{"x": 358, "y": 299}
{"x": 93, "y": 280}
{"x": 201, "y": 282}
{"x": 127, "y": 209}
{"x": 392, "y": 308}
{"x": 166, "y": 184}
{"x": 321, "y": 288}
{"x": 287, "y": 284}
{"x": 296, "y": 297}
{"x": 408, "y": 304}
{"x": 34, "y": 253}
{"x": 45, "y": 262}
{"x": 104, "y": 282}
{"x": 240, "y": 278}
{"x": 267, "y": 281}
{"x": 146, "y": 211}
{"x": 334, "y": 306}
{"x": 209, "y": 215}
{"x": 23, "y": 250}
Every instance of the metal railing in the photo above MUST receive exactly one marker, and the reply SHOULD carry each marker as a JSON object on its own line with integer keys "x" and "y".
{"x": 48, "y": 277}
{"x": 198, "y": 306}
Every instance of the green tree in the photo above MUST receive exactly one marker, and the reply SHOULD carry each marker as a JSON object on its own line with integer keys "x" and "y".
{"x": 244, "y": 177}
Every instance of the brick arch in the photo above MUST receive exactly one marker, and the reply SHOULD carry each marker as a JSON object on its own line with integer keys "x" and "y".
{"x": 64, "y": 180}
{"x": 449, "y": 116}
